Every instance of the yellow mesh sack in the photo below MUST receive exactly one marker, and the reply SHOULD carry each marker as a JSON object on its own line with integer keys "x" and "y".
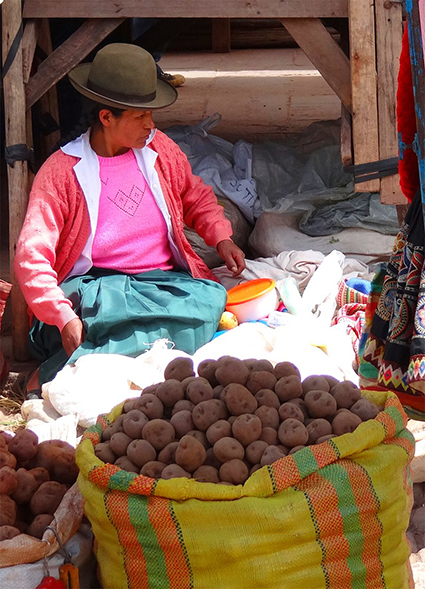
{"x": 330, "y": 516}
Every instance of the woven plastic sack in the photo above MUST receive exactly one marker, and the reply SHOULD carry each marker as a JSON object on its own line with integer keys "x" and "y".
{"x": 333, "y": 516}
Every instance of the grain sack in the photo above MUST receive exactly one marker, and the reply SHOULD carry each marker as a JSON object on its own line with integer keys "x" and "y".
{"x": 332, "y": 516}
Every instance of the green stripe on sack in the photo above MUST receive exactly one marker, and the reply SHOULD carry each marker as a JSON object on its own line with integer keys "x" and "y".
{"x": 397, "y": 417}
{"x": 305, "y": 461}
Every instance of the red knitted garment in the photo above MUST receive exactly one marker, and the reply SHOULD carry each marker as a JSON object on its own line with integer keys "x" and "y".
{"x": 406, "y": 123}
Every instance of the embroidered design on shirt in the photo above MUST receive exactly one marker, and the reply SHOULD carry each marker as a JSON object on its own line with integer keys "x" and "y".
{"x": 129, "y": 203}
{"x": 105, "y": 182}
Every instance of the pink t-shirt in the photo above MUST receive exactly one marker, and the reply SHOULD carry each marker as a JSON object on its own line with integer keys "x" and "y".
{"x": 131, "y": 234}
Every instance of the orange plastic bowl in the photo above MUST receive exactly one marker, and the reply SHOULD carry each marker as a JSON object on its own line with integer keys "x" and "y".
{"x": 252, "y": 300}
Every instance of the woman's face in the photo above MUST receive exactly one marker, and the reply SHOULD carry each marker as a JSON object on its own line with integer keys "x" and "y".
{"x": 130, "y": 130}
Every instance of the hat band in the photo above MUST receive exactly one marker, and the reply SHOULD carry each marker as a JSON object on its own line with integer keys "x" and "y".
{"x": 120, "y": 97}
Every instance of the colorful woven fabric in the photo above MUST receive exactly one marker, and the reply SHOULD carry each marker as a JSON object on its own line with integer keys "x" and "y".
{"x": 352, "y": 315}
{"x": 330, "y": 516}
{"x": 346, "y": 294}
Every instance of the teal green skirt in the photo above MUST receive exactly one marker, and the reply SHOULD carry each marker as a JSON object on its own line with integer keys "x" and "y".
{"x": 125, "y": 314}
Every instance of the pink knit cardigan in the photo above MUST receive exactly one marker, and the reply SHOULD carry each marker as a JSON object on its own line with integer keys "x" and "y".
{"x": 57, "y": 226}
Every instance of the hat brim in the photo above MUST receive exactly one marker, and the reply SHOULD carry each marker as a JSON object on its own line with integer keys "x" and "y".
{"x": 166, "y": 94}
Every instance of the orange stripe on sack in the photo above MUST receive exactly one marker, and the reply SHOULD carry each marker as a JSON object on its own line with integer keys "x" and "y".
{"x": 166, "y": 533}
{"x": 285, "y": 472}
{"x": 389, "y": 424}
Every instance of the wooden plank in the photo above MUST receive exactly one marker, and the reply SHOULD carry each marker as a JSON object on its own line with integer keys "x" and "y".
{"x": 15, "y": 133}
{"x": 69, "y": 54}
{"x": 187, "y": 8}
{"x": 324, "y": 53}
{"x": 363, "y": 87}
{"x": 29, "y": 43}
{"x": 389, "y": 32}
{"x": 346, "y": 138}
{"x": 221, "y": 35}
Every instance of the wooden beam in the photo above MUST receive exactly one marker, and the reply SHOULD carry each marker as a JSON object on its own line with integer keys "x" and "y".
{"x": 15, "y": 134}
{"x": 324, "y": 53}
{"x": 346, "y": 138}
{"x": 67, "y": 55}
{"x": 389, "y": 32}
{"x": 187, "y": 8}
{"x": 221, "y": 35}
{"x": 29, "y": 43}
{"x": 363, "y": 87}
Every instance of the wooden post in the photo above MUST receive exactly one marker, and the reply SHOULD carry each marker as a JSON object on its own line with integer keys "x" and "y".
{"x": 15, "y": 133}
{"x": 221, "y": 35}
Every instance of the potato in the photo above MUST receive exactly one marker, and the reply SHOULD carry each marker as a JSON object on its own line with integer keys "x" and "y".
{"x": 59, "y": 459}
{"x": 220, "y": 429}
{"x": 254, "y": 451}
{"x": 228, "y": 448}
{"x": 104, "y": 452}
{"x": 288, "y": 387}
{"x": 23, "y": 445}
{"x": 260, "y": 379}
{"x": 170, "y": 391}
{"x": 239, "y": 399}
{"x": 282, "y": 369}
{"x": 168, "y": 454}
{"x": 364, "y": 409}
{"x": 182, "y": 423}
{"x": 7, "y": 458}
{"x": 151, "y": 389}
{"x": 217, "y": 390}
{"x": 39, "y": 524}
{"x": 345, "y": 393}
{"x": 47, "y": 498}
{"x": 119, "y": 443}
{"x": 179, "y": 369}
{"x": 129, "y": 405}
{"x": 318, "y": 428}
{"x": 332, "y": 381}
{"x": 234, "y": 472}
{"x": 200, "y": 436}
{"x": 174, "y": 471}
{"x": 205, "y": 414}
{"x": 40, "y": 474}
{"x": 126, "y": 464}
{"x": 261, "y": 364}
{"x": 211, "y": 459}
{"x": 269, "y": 435}
{"x": 292, "y": 433}
{"x": 113, "y": 428}
{"x": 345, "y": 422}
{"x": 3, "y": 441}
{"x": 8, "y": 532}
{"x": 27, "y": 486}
{"x": 190, "y": 453}
{"x": 159, "y": 433}
{"x": 153, "y": 469}
{"x": 7, "y": 511}
{"x": 8, "y": 480}
{"x": 223, "y": 412}
{"x": 150, "y": 405}
{"x": 140, "y": 452}
{"x": 183, "y": 405}
{"x": 231, "y": 370}
{"x": 206, "y": 474}
{"x": 320, "y": 404}
{"x": 206, "y": 369}
{"x": 186, "y": 382}
{"x": 268, "y": 398}
{"x": 301, "y": 404}
{"x": 199, "y": 390}
{"x": 254, "y": 469}
{"x": 247, "y": 428}
{"x": 315, "y": 383}
{"x": 296, "y": 448}
{"x": 324, "y": 438}
{"x": 133, "y": 423}
{"x": 271, "y": 454}
{"x": 290, "y": 410}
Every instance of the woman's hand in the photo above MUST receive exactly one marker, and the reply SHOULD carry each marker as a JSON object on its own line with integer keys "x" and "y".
{"x": 72, "y": 335}
{"x": 232, "y": 255}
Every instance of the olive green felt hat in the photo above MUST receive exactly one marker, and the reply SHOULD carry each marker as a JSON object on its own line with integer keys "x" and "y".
{"x": 123, "y": 75}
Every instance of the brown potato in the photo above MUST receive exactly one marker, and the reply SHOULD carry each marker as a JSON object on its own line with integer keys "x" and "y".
{"x": 133, "y": 423}
{"x": 345, "y": 393}
{"x": 290, "y": 410}
{"x": 23, "y": 445}
{"x": 125, "y": 463}
{"x": 268, "y": 398}
{"x": 153, "y": 469}
{"x": 113, "y": 428}
{"x": 296, "y": 448}
{"x": 186, "y": 382}
{"x": 170, "y": 391}
{"x": 218, "y": 390}
{"x": 271, "y": 454}
{"x": 206, "y": 369}
{"x": 183, "y": 405}
{"x": 220, "y": 429}
{"x": 231, "y": 370}
{"x": 168, "y": 454}
{"x": 223, "y": 412}
{"x": 211, "y": 459}
{"x": 324, "y": 438}
{"x": 159, "y": 433}
{"x": 199, "y": 390}
{"x": 150, "y": 390}
{"x": 260, "y": 379}
{"x": 8, "y": 532}
{"x": 254, "y": 451}
{"x": 364, "y": 409}
{"x": 205, "y": 414}
{"x": 332, "y": 381}
{"x": 320, "y": 404}
{"x": 286, "y": 369}
{"x": 269, "y": 435}
{"x": 179, "y": 369}
{"x": 47, "y": 498}
{"x": 247, "y": 428}
{"x": 315, "y": 383}
{"x": 104, "y": 452}
{"x": 7, "y": 458}
{"x": 119, "y": 443}
{"x": 318, "y": 428}
{"x": 8, "y": 480}
{"x": 150, "y": 405}
{"x": 39, "y": 524}
{"x": 7, "y": 511}
{"x": 140, "y": 452}
{"x": 40, "y": 474}
{"x": 59, "y": 459}
{"x": 345, "y": 422}
{"x": 234, "y": 472}
{"x": 182, "y": 423}
{"x": 200, "y": 436}
{"x": 292, "y": 433}
{"x": 227, "y": 449}
{"x": 261, "y": 364}
{"x": 27, "y": 486}
{"x": 190, "y": 453}
{"x": 239, "y": 399}
{"x": 254, "y": 469}
{"x": 206, "y": 474}
{"x": 288, "y": 387}
{"x": 301, "y": 404}
{"x": 3, "y": 441}
{"x": 129, "y": 405}
{"x": 174, "y": 471}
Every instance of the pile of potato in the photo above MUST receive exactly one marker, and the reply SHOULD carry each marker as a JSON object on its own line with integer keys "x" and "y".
{"x": 34, "y": 477}
{"x": 233, "y": 418}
